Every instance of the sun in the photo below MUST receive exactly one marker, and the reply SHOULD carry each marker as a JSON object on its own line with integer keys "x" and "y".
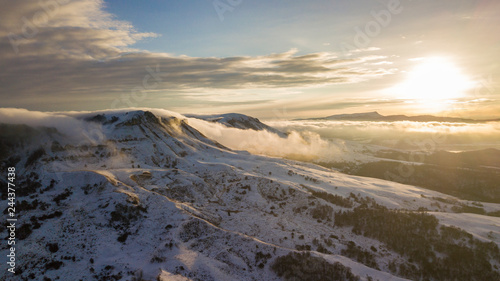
{"x": 433, "y": 79}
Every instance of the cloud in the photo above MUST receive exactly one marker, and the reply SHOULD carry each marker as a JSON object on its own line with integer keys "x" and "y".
{"x": 403, "y": 134}
{"x": 339, "y": 141}
{"x": 75, "y": 52}
{"x": 73, "y": 128}
{"x": 305, "y": 146}
{"x": 79, "y": 29}
{"x": 71, "y": 124}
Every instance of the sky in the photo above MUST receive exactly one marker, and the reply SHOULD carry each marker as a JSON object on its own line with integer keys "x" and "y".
{"x": 269, "y": 59}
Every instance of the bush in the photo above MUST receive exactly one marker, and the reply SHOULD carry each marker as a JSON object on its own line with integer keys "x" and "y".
{"x": 53, "y": 265}
{"x": 122, "y": 238}
{"x": 24, "y": 231}
{"x": 53, "y": 247}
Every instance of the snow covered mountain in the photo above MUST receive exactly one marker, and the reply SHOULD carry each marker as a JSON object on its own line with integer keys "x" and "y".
{"x": 142, "y": 195}
{"x": 239, "y": 121}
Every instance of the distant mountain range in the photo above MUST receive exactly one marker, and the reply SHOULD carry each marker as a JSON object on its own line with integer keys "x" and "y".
{"x": 375, "y": 116}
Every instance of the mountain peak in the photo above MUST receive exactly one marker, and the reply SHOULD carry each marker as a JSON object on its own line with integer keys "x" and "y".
{"x": 140, "y": 117}
{"x": 238, "y": 121}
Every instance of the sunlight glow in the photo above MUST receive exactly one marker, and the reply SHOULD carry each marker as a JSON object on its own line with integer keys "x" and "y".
{"x": 434, "y": 79}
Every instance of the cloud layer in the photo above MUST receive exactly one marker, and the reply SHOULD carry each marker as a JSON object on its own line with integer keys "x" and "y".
{"x": 73, "y": 51}
{"x": 76, "y": 130}
{"x": 405, "y": 134}
{"x": 306, "y": 146}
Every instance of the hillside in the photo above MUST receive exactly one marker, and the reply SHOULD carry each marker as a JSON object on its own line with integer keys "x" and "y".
{"x": 142, "y": 195}
{"x": 470, "y": 175}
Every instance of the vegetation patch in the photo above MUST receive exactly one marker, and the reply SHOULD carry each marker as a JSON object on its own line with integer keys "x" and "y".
{"x": 418, "y": 236}
{"x": 322, "y": 212}
{"x": 34, "y": 156}
{"x": 354, "y": 251}
{"x": 332, "y": 198}
{"x": 123, "y": 215}
{"x": 63, "y": 196}
{"x": 304, "y": 267}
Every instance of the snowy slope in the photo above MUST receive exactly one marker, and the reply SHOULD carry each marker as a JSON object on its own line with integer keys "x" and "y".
{"x": 144, "y": 195}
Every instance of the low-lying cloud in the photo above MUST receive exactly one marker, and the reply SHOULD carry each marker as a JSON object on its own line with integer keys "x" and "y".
{"x": 74, "y": 129}
{"x": 403, "y": 134}
{"x": 339, "y": 141}
{"x": 305, "y": 146}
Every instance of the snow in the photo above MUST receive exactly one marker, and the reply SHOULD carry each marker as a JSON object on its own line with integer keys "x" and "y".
{"x": 485, "y": 228}
{"x": 360, "y": 269}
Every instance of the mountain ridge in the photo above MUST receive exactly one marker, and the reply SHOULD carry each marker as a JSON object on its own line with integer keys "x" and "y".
{"x": 375, "y": 116}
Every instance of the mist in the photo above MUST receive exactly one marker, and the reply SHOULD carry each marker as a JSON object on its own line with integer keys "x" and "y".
{"x": 404, "y": 134}
{"x": 338, "y": 141}
{"x": 69, "y": 126}
{"x": 304, "y": 145}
